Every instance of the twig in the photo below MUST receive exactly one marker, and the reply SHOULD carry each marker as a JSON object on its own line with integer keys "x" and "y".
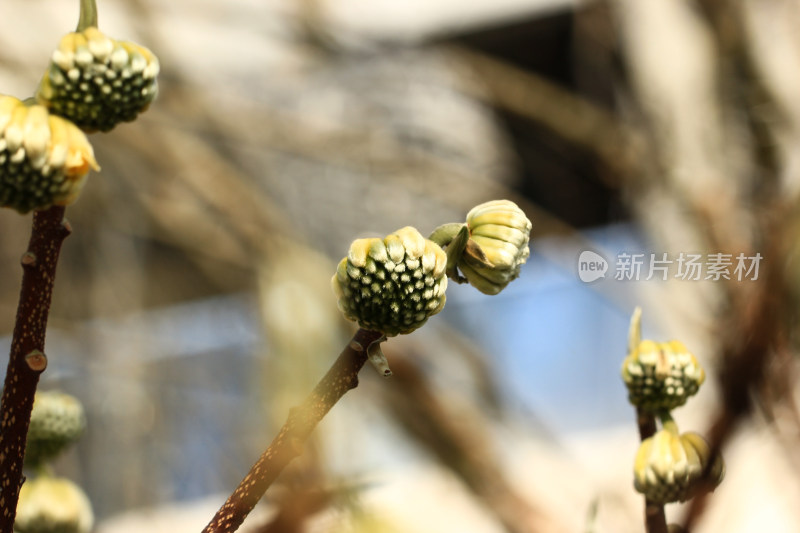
{"x": 27, "y": 360}
{"x": 288, "y": 444}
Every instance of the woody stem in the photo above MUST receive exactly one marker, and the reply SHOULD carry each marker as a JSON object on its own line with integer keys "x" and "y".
{"x": 288, "y": 443}
{"x": 27, "y": 360}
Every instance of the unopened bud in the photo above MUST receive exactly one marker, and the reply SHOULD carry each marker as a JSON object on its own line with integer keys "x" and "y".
{"x": 44, "y": 159}
{"x": 97, "y": 82}
{"x": 391, "y": 285}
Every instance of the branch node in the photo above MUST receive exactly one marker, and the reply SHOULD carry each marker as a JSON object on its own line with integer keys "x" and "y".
{"x": 28, "y": 259}
{"x": 36, "y": 361}
{"x": 355, "y": 345}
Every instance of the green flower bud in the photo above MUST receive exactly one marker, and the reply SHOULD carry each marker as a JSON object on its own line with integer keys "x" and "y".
{"x": 53, "y": 505}
{"x": 661, "y": 376}
{"x": 44, "y": 159}
{"x": 392, "y": 285}
{"x": 499, "y": 233}
{"x": 669, "y": 467}
{"x": 98, "y": 82}
{"x": 57, "y": 420}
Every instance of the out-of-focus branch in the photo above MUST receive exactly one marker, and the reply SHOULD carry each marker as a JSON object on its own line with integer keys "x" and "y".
{"x": 463, "y": 448}
{"x": 567, "y": 114}
{"x": 714, "y": 104}
{"x": 754, "y": 333}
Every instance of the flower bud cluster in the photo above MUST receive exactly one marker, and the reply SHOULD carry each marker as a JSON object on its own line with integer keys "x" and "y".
{"x": 670, "y": 467}
{"x": 661, "y": 376}
{"x": 93, "y": 83}
{"x": 44, "y": 159}
{"x": 52, "y": 504}
{"x": 97, "y": 82}
{"x": 392, "y": 285}
{"x": 57, "y": 420}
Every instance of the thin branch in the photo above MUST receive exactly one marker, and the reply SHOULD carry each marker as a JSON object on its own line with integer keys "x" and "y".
{"x": 288, "y": 444}
{"x": 27, "y": 360}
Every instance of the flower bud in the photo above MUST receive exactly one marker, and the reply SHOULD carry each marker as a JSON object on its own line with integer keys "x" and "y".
{"x": 57, "y": 420}
{"x": 499, "y": 233}
{"x": 669, "y": 467}
{"x": 98, "y": 82}
{"x": 53, "y": 505}
{"x": 44, "y": 159}
{"x": 392, "y": 285}
{"x": 698, "y": 453}
{"x": 661, "y": 376}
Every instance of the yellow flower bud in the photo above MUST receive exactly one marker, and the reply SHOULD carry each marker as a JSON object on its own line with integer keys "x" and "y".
{"x": 98, "y": 82}
{"x": 499, "y": 233}
{"x": 44, "y": 159}
{"x": 669, "y": 467}
{"x": 661, "y": 376}
{"x": 50, "y": 505}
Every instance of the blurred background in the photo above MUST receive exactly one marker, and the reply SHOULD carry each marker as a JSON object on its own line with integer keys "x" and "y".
{"x": 193, "y": 306}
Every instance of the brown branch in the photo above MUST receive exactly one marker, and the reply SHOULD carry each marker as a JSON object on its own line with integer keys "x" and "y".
{"x": 655, "y": 520}
{"x": 288, "y": 444}
{"x": 756, "y": 332}
{"x": 27, "y": 360}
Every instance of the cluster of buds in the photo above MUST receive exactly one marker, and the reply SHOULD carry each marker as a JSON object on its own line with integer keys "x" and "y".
{"x": 93, "y": 83}
{"x": 392, "y": 285}
{"x": 44, "y": 159}
{"x": 661, "y": 375}
{"x": 51, "y": 504}
{"x": 97, "y": 82}
{"x": 669, "y": 466}
{"x": 672, "y": 467}
{"x": 57, "y": 420}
